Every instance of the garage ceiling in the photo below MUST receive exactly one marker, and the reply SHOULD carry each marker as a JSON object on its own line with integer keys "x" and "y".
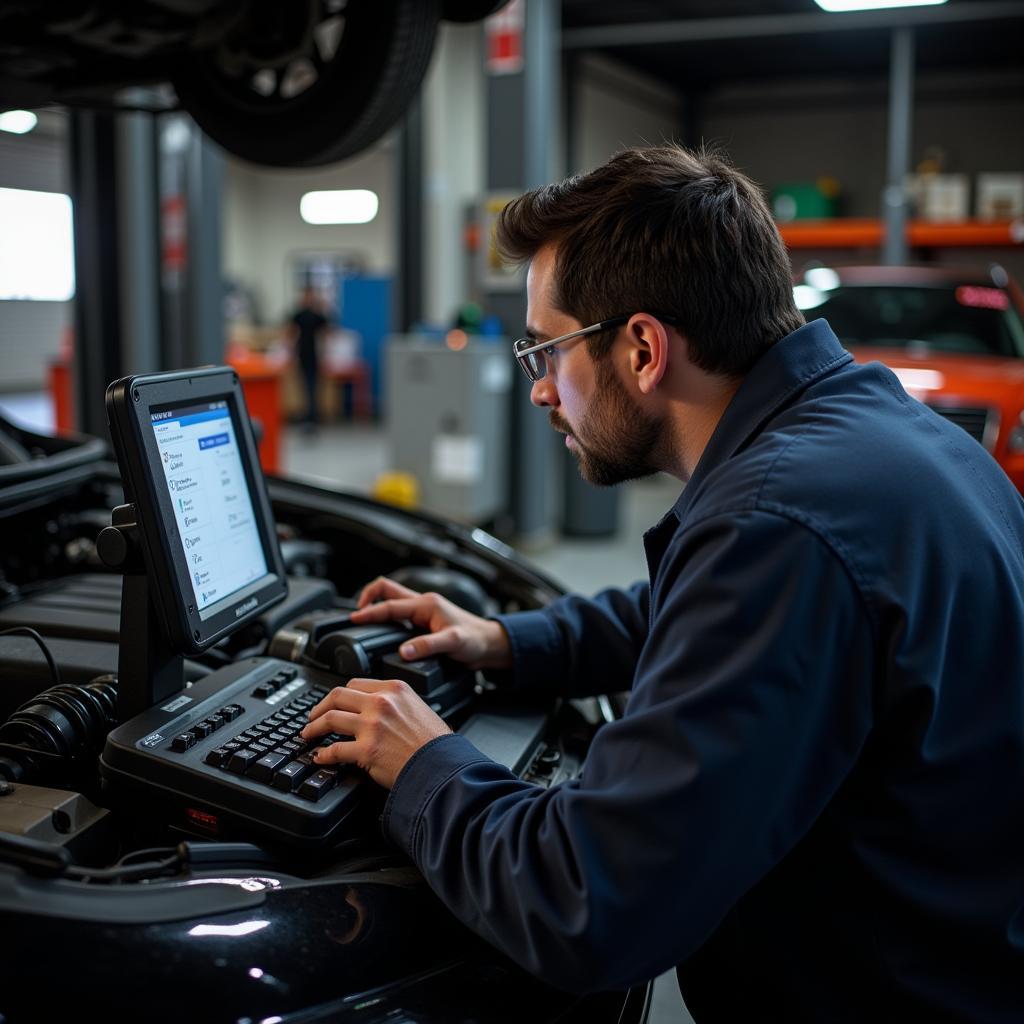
{"x": 733, "y": 40}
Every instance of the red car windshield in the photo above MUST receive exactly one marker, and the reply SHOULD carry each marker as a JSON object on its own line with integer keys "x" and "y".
{"x": 967, "y": 319}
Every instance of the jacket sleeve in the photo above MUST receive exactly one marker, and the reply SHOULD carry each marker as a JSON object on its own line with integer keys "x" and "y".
{"x": 577, "y": 646}
{"x": 751, "y": 702}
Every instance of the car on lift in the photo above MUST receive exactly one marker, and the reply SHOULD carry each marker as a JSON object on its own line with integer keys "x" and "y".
{"x": 301, "y": 83}
{"x": 131, "y": 913}
{"x": 953, "y": 336}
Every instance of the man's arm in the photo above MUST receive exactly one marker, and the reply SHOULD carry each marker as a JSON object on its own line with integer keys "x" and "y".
{"x": 751, "y": 704}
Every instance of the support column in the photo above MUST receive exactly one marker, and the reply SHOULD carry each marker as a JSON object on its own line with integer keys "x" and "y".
{"x": 408, "y": 292}
{"x": 191, "y": 173}
{"x": 521, "y": 111}
{"x": 93, "y": 173}
{"x": 901, "y": 96}
{"x": 139, "y": 241}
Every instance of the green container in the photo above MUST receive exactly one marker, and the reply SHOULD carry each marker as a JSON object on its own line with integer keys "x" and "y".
{"x": 803, "y": 200}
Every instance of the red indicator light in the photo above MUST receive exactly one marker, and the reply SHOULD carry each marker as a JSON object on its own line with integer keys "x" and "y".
{"x": 203, "y": 820}
{"x": 982, "y": 298}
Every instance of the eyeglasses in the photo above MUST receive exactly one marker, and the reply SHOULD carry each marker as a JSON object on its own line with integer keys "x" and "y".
{"x": 528, "y": 351}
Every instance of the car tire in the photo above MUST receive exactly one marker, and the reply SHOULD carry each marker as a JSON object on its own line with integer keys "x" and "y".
{"x": 238, "y": 90}
{"x": 470, "y": 10}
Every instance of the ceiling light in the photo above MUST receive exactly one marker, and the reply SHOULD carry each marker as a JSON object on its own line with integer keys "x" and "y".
{"x": 17, "y": 121}
{"x": 840, "y": 6}
{"x": 341, "y": 206}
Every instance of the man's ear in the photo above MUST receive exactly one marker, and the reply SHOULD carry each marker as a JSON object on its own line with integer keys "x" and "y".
{"x": 648, "y": 352}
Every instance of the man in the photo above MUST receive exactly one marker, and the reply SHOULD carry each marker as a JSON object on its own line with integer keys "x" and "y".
{"x": 814, "y": 803}
{"x": 307, "y": 327}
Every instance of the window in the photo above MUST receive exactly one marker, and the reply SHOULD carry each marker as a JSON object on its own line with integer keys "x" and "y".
{"x": 36, "y": 246}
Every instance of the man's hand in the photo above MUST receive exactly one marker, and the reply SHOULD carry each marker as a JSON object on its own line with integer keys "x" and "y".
{"x": 386, "y": 719}
{"x": 476, "y": 642}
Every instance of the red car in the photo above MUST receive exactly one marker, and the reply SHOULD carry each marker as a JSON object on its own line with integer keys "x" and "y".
{"x": 953, "y": 336}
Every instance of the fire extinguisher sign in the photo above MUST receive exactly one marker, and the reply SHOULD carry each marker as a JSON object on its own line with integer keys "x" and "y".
{"x": 505, "y": 39}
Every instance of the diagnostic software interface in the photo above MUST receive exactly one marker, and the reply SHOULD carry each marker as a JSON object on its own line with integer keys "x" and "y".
{"x": 214, "y": 512}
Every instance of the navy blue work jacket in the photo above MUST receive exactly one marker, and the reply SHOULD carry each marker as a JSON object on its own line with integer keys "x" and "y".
{"x": 814, "y": 804}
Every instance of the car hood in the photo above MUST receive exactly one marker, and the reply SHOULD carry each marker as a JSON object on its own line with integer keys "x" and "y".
{"x": 992, "y": 378}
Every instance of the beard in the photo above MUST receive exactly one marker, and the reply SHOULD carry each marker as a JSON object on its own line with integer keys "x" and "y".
{"x": 615, "y": 440}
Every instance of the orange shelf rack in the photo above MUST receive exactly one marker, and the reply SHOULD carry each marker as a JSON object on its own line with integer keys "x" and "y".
{"x": 855, "y": 233}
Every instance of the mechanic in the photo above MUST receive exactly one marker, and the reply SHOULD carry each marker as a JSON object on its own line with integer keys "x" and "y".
{"x": 814, "y": 802}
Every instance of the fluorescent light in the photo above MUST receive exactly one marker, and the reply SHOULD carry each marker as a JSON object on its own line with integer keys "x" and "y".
{"x": 841, "y": 6}
{"x": 18, "y": 121}
{"x": 36, "y": 246}
{"x": 341, "y": 206}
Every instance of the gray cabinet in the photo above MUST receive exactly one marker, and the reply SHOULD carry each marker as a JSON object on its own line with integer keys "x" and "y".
{"x": 448, "y": 421}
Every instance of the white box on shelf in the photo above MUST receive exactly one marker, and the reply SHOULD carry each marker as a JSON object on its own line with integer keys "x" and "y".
{"x": 999, "y": 196}
{"x": 939, "y": 197}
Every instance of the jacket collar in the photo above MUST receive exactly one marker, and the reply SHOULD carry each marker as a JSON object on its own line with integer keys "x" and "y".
{"x": 791, "y": 365}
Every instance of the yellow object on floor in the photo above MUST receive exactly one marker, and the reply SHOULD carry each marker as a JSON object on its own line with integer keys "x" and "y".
{"x": 396, "y": 488}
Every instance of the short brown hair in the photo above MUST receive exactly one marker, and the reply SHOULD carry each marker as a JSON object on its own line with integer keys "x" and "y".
{"x": 664, "y": 230}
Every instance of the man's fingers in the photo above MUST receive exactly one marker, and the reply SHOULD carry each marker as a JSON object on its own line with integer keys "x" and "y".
{"x": 382, "y": 588}
{"x": 344, "y": 723}
{"x": 337, "y": 753}
{"x": 396, "y": 608}
{"x": 340, "y": 698}
{"x": 444, "y": 641}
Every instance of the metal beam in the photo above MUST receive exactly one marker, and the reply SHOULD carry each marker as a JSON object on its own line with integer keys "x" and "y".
{"x": 702, "y": 30}
{"x": 901, "y": 116}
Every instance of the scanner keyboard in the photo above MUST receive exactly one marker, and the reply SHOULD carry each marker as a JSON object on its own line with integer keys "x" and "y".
{"x": 227, "y": 756}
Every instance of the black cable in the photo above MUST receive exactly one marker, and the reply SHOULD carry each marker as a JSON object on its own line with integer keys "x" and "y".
{"x": 31, "y": 633}
{"x": 148, "y": 869}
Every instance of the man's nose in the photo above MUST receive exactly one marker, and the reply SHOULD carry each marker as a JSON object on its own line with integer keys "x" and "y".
{"x": 543, "y": 393}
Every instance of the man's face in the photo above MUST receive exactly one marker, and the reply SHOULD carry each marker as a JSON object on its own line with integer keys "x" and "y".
{"x": 612, "y": 437}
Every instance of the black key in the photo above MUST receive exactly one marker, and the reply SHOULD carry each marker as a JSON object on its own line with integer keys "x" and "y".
{"x": 183, "y": 742}
{"x": 232, "y": 711}
{"x": 281, "y": 678}
{"x": 241, "y": 761}
{"x": 263, "y": 690}
{"x": 216, "y": 720}
{"x": 289, "y": 777}
{"x": 277, "y": 737}
{"x": 263, "y": 746}
{"x": 218, "y": 756}
{"x": 264, "y": 768}
{"x": 316, "y": 785}
{"x": 201, "y": 729}
{"x": 289, "y": 673}
{"x": 275, "y": 720}
{"x": 293, "y": 746}
{"x": 262, "y": 730}
{"x": 249, "y": 734}
{"x": 232, "y": 745}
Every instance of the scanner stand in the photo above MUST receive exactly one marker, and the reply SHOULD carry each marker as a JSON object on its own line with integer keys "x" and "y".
{"x": 148, "y": 670}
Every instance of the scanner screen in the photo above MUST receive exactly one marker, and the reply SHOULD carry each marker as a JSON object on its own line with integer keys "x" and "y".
{"x": 212, "y": 505}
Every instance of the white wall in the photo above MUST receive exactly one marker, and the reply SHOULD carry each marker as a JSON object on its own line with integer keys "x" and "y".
{"x": 615, "y": 107}
{"x": 263, "y": 230}
{"x": 453, "y": 160}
